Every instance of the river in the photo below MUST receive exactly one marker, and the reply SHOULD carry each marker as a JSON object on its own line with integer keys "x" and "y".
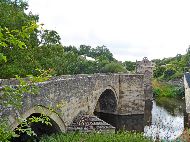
{"x": 165, "y": 124}
{"x": 163, "y": 119}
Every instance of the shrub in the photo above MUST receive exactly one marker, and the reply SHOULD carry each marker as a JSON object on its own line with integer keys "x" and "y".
{"x": 162, "y": 89}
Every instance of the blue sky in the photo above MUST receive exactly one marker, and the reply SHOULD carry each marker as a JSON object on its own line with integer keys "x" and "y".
{"x": 131, "y": 29}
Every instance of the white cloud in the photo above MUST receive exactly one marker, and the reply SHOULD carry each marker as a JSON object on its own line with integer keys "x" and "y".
{"x": 131, "y": 29}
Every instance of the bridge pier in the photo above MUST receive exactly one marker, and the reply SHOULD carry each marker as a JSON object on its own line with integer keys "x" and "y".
{"x": 187, "y": 99}
{"x": 131, "y": 95}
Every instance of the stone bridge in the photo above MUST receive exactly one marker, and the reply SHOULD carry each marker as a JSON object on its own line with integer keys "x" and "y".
{"x": 66, "y": 97}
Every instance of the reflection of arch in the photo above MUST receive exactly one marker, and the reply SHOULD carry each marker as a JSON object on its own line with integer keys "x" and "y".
{"x": 42, "y": 110}
{"x": 107, "y": 101}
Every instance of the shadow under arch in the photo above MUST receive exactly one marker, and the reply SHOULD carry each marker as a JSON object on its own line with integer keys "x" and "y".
{"x": 57, "y": 124}
{"x": 41, "y": 110}
{"x": 107, "y": 101}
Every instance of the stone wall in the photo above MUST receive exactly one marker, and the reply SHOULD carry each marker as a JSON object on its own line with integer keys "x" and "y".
{"x": 131, "y": 98}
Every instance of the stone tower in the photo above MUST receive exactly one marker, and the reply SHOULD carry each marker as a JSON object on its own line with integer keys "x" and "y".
{"x": 146, "y": 67}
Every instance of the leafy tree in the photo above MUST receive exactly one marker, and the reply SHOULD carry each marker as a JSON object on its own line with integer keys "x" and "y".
{"x": 19, "y": 32}
{"x": 85, "y": 50}
{"x": 13, "y": 48}
{"x": 50, "y": 37}
{"x": 113, "y": 68}
{"x": 71, "y": 49}
{"x": 13, "y": 17}
{"x": 101, "y": 51}
{"x": 159, "y": 71}
{"x": 130, "y": 66}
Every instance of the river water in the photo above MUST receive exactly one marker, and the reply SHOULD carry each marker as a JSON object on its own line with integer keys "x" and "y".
{"x": 160, "y": 120}
{"x": 165, "y": 125}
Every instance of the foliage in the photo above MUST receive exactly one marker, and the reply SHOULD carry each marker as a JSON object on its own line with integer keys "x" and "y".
{"x": 113, "y": 68}
{"x": 130, "y": 66}
{"x": 172, "y": 68}
{"x": 168, "y": 73}
{"x": 5, "y": 132}
{"x": 19, "y": 38}
{"x": 12, "y": 97}
{"x": 97, "y": 137}
{"x": 14, "y": 41}
{"x": 159, "y": 71}
{"x": 50, "y": 37}
{"x": 13, "y": 17}
{"x": 12, "y": 48}
{"x": 96, "y": 52}
{"x": 23, "y": 41}
{"x": 162, "y": 89}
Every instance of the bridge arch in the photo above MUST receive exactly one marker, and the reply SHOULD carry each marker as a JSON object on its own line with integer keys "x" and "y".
{"x": 36, "y": 111}
{"x": 107, "y": 101}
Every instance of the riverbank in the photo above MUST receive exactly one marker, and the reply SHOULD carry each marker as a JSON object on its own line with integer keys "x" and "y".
{"x": 171, "y": 105}
{"x": 167, "y": 89}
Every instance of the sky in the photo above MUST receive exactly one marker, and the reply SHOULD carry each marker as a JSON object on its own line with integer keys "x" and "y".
{"x": 130, "y": 29}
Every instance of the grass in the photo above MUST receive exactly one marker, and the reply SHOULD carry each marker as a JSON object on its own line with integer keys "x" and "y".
{"x": 96, "y": 137}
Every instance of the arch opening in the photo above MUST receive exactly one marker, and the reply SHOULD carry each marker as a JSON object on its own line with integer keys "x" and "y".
{"x": 107, "y": 102}
{"x": 39, "y": 129}
{"x": 106, "y": 107}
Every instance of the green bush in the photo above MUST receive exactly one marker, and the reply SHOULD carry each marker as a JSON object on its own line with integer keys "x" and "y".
{"x": 162, "y": 89}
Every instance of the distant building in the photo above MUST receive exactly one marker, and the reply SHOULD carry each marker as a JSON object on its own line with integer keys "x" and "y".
{"x": 87, "y": 58}
{"x": 145, "y": 66}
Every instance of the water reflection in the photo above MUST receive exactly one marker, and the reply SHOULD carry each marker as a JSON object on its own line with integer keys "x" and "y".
{"x": 157, "y": 122}
{"x": 123, "y": 122}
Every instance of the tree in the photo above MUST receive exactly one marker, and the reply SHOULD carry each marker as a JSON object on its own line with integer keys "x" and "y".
{"x": 113, "y": 68}
{"x": 50, "y": 37}
{"x": 130, "y": 66}
{"x": 85, "y": 50}
{"x": 71, "y": 49}
{"x": 21, "y": 28}
{"x": 159, "y": 71}
{"x": 19, "y": 32}
{"x": 16, "y": 52}
{"x": 101, "y": 51}
{"x": 13, "y": 17}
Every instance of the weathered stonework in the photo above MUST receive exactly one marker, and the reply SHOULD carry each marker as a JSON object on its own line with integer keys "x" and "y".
{"x": 146, "y": 67}
{"x": 72, "y": 95}
{"x": 187, "y": 91}
{"x": 187, "y": 98}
